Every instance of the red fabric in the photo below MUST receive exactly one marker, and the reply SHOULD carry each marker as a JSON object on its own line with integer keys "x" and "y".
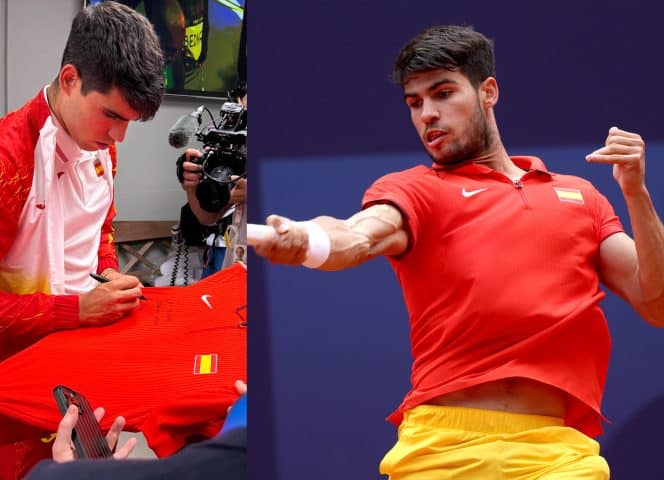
{"x": 17, "y": 458}
{"x": 141, "y": 367}
{"x": 501, "y": 281}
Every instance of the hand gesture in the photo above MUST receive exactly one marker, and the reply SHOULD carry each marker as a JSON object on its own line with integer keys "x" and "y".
{"x": 627, "y": 153}
{"x": 63, "y": 447}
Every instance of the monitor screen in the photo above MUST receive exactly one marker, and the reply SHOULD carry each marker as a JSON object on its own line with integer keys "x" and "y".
{"x": 203, "y": 43}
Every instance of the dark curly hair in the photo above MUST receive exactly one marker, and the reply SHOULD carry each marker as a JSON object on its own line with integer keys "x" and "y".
{"x": 451, "y": 47}
{"x": 113, "y": 46}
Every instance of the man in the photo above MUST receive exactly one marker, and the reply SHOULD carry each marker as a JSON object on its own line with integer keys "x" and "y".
{"x": 57, "y": 161}
{"x": 222, "y": 457}
{"x": 230, "y": 222}
{"x": 495, "y": 289}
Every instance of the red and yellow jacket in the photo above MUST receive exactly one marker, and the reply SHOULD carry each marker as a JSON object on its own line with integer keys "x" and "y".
{"x": 26, "y": 317}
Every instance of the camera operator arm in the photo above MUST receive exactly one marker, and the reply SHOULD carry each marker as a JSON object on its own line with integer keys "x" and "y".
{"x": 189, "y": 178}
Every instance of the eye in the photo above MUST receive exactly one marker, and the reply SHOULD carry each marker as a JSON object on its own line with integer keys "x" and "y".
{"x": 113, "y": 116}
{"x": 443, "y": 93}
{"x": 414, "y": 102}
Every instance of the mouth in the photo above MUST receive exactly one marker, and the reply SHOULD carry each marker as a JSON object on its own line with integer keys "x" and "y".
{"x": 434, "y": 137}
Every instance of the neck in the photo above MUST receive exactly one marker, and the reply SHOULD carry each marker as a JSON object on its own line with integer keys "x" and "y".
{"x": 496, "y": 156}
{"x": 497, "y": 159}
{"x": 53, "y": 100}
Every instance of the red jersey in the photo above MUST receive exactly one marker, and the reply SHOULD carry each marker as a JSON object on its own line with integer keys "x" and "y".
{"x": 169, "y": 368}
{"x": 500, "y": 280}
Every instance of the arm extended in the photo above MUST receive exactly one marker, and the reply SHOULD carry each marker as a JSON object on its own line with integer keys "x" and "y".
{"x": 375, "y": 231}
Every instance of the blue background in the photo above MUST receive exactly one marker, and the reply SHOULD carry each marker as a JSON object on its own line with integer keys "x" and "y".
{"x": 329, "y": 355}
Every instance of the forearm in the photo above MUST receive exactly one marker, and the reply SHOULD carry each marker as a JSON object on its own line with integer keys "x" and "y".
{"x": 361, "y": 237}
{"x": 648, "y": 234}
{"x": 348, "y": 247}
{"x": 26, "y": 318}
{"x": 329, "y": 243}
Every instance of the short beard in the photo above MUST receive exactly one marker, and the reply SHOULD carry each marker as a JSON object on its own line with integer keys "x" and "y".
{"x": 473, "y": 144}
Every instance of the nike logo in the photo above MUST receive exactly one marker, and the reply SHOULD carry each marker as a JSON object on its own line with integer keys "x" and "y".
{"x": 206, "y": 301}
{"x": 470, "y": 193}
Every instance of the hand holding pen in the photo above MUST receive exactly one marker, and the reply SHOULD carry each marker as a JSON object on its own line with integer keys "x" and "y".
{"x": 110, "y": 301}
{"x": 101, "y": 279}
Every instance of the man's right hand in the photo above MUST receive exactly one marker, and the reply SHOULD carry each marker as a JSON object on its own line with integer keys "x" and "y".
{"x": 289, "y": 247}
{"x": 63, "y": 448}
{"x": 109, "y": 302}
{"x": 191, "y": 172}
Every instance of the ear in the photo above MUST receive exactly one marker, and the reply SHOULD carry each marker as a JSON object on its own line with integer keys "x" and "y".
{"x": 68, "y": 78}
{"x": 488, "y": 92}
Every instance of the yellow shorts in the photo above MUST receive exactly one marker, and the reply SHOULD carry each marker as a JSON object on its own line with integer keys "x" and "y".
{"x": 440, "y": 443}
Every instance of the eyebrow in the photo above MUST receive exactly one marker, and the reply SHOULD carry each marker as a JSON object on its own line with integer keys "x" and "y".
{"x": 115, "y": 114}
{"x": 431, "y": 87}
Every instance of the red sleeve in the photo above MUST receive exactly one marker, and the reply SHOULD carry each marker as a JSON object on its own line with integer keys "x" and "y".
{"x": 15, "y": 179}
{"x": 107, "y": 256}
{"x": 398, "y": 189}
{"x": 24, "y": 319}
{"x": 607, "y": 221}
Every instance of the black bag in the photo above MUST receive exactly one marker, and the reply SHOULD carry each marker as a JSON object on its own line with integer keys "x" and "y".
{"x": 193, "y": 233}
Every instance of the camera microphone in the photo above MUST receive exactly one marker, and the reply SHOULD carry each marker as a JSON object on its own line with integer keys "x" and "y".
{"x": 184, "y": 128}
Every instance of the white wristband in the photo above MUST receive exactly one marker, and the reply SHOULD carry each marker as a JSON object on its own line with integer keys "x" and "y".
{"x": 319, "y": 245}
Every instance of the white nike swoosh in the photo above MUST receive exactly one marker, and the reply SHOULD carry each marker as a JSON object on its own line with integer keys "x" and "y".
{"x": 468, "y": 194}
{"x": 206, "y": 301}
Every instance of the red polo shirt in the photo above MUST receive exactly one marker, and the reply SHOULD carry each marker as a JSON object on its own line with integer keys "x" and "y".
{"x": 500, "y": 280}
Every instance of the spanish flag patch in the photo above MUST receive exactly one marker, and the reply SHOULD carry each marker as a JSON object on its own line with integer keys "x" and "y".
{"x": 99, "y": 168}
{"x": 205, "y": 364}
{"x": 572, "y": 195}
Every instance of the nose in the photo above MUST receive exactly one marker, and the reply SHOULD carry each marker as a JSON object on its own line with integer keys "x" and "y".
{"x": 117, "y": 131}
{"x": 429, "y": 113}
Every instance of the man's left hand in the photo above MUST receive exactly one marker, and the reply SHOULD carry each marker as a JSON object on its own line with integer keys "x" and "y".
{"x": 626, "y": 151}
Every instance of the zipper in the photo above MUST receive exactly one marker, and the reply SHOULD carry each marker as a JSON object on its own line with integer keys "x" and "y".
{"x": 519, "y": 186}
